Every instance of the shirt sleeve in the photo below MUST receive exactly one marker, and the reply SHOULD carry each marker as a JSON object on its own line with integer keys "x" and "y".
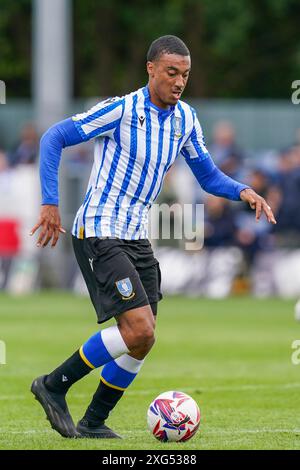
{"x": 195, "y": 148}
{"x": 60, "y": 135}
{"x": 101, "y": 119}
{"x": 211, "y": 178}
{"x": 98, "y": 121}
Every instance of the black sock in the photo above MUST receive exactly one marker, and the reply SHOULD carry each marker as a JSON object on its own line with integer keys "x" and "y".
{"x": 65, "y": 375}
{"x": 104, "y": 400}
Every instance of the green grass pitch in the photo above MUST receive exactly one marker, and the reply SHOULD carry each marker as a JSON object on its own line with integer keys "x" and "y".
{"x": 232, "y": 356}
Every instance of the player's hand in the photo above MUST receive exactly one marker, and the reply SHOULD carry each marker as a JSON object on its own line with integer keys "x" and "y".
{"x": 50, "y": 224}
{"x": 258, "y": 204}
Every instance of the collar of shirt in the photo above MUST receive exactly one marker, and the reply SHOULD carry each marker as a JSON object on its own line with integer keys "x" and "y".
{"x": 162, "y": 112}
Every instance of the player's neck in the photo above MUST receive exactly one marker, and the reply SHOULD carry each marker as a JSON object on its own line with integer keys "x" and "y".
{"x": 156, "y": 100}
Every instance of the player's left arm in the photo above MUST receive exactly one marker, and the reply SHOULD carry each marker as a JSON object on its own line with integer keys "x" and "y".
{"x": 214, "y": 181}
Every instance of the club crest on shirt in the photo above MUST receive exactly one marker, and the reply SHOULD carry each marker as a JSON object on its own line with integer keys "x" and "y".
{"x": 177, "y": 126}
{"x": 125, "y": 288}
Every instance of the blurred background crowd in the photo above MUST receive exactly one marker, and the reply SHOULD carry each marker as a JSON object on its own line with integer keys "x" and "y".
{"x": 251, "y": 126}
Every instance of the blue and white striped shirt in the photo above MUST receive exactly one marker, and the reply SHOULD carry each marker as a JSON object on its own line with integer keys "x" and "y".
{"x": 136, "y": 144}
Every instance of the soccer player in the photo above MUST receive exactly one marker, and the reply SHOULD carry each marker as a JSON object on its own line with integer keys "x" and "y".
{"x": 138, "y": 138}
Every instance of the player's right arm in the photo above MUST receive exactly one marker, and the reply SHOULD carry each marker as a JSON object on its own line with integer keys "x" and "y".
{"x": 214, "y": 181}
{"x": 100, "y": 120}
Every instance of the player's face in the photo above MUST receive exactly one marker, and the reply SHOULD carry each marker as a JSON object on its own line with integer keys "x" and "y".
{"x": 168, "y": 77}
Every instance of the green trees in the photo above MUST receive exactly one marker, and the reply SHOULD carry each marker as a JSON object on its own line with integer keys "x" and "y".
{"x": 240, "y": 48}
{"x": 15, "y": 46}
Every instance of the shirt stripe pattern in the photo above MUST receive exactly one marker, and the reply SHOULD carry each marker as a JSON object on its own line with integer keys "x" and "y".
{"x": 136, "y": 144}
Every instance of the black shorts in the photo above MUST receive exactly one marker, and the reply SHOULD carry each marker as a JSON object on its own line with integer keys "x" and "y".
{"x": 119, "y": 274}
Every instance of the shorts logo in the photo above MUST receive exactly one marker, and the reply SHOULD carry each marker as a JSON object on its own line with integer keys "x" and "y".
{"x": 125, "y": 288}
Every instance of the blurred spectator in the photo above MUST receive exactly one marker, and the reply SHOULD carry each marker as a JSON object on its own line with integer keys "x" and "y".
{"x": 231, "y": 166}
{"x": 219, "y": 222}
{"x": 4, "y": 173}
{"x": 26, "y": 151}
{"x": 80, "y": 156}
{"x": 3, "y": 162}
{"x": 252, "y": 236}
{"x": 18, "y": 211}
{"x": 224, "y": 150}
{"x": 260, "y": 181}
{"x": 289, "y": 184}
{"x": 9, "y": 243}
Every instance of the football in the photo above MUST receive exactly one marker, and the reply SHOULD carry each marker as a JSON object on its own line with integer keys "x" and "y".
{"x": 173, "y": 416}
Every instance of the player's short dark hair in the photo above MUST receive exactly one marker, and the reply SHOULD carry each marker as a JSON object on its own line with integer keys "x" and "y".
{"x": 166, "y": 45}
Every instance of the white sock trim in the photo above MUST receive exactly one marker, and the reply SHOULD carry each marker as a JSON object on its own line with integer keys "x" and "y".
{"x": 129, "y": 363}
{"x": 113, "y": 341}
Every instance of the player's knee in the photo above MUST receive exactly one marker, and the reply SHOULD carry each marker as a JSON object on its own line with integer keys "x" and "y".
{"x": 147, "y": 338}
{"x": 137, "y": 329}
{"x": 144, "y": 337}
{"x": 141, "y": 338}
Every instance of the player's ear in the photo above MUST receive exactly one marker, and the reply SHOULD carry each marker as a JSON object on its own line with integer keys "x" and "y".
{"x": 150, "y": 69}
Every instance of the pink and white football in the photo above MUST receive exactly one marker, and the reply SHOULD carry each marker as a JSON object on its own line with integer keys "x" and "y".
{"x": 173, "y": 416}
